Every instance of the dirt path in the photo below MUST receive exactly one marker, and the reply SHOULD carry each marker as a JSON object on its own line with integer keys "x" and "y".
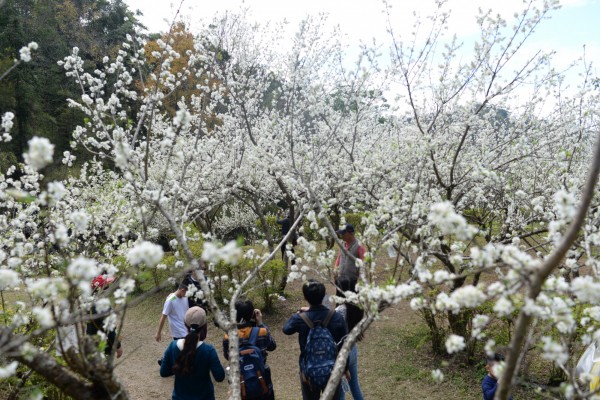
{"x": 393, "y": 359}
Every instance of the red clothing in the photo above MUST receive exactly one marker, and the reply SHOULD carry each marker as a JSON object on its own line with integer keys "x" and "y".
{"x": 361, "y": 252}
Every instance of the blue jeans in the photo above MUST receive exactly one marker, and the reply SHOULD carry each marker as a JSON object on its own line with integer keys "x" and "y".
{"x": 353, "y": 382}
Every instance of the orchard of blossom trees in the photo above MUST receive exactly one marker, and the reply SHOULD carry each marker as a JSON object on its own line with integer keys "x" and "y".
{"x": 472, "y": 167}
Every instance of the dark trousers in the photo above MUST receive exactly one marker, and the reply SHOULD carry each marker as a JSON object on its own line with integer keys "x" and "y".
{"x": 309, "y": 393}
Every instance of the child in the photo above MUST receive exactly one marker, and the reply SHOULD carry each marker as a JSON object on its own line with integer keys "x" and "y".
{"x": 490, "y": 382}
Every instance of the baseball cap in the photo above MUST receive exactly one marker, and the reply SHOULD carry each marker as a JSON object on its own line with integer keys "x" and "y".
{"x": 195, "y": 316}
{"x": 348, "y": 228}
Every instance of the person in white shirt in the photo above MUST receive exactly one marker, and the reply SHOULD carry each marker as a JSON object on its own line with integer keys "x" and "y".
{"x": 176, "y": 305}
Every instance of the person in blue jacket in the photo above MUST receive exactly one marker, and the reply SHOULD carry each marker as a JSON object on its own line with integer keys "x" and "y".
{"x": 489, "y": 384}
{"x": 192, "y": 360}
{"x": 314, "y": 292}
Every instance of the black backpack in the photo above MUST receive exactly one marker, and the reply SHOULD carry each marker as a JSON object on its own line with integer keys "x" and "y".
{"x": 320, "y": 352}
{"x": 253, "y": 381}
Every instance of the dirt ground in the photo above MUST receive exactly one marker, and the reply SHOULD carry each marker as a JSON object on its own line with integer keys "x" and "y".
{"x": 394, "y": 357}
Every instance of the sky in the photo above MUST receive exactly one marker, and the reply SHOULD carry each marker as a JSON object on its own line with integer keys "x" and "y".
{"x": 569, "y": 30}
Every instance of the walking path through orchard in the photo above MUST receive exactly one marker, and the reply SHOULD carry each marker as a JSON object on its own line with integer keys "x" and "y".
{"x": 395, "y": 360}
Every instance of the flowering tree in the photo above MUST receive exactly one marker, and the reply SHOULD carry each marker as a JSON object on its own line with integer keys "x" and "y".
{"x": 465, "y": 194}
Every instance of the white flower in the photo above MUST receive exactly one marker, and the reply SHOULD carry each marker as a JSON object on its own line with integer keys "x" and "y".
{"x": 7, "y": 121}
{"x": 443, "y": 216}
{"x": 503, "y": 307}
{"x": 145, "y": 252}
{"x": 490, "y": 347}
{"x": 43, "y": 316}
{"x": 455, "y": 343}
{"x": 445, "y": 303}
{"x": 8, "y": 279}
{"x": 56, "y": 191}
{"x": 554, "y": 351}
{"x": 40, "y": 153}
{"x": 586, "y": 289}
{"x": 437, "y": 376}
{"x": 25, "y": 54}
{"x": 468, "y": 296}
{"x": 9, "y": 370}
{"x": 82, "y": 270}
{"x": 80, "y": 220}
{"x": 417, "y": 303}
{"x": 229, "y": 254}
{"x": 441, "y": 275}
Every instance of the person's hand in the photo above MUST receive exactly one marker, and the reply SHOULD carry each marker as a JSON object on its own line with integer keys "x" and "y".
{"x": 303, "y": 309}
{"x": 258, "y": 317}
{"x": 158, "y": 337}
{"x": 119, "y": 352}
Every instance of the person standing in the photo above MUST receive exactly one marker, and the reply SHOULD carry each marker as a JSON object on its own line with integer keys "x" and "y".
{"x": 174, "y": 309}
{"x": 248, "y": 319}
{"x": 286, "y": 224}
{"x": 352, "y": 315}
{"x": 314, "y": 292}
{"x": 192, "y": 361}
{"x": 345, "y": 266}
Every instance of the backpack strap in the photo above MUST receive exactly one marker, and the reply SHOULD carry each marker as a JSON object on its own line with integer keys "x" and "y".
{"x": 328, "y": 318}
{"x": 253, "y": 336}
{"x": 306, "y": 320}
{"x": 323, "y": 324}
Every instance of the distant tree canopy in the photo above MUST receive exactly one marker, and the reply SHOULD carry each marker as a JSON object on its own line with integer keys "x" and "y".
{"x": 37, "y": 92}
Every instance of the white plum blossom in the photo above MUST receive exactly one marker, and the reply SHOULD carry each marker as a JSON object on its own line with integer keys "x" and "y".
{"x": 40, "y": 153}
{"x": 479, "y": 323}
{"x": 437, "y": 376}
{"x": 230, "y": 253}
{"x": 554, "y": 351}
{"x": 503, "y": 307}
{"x": 43, "y": 316}
{"x": 586, "y": 289}
{"x": 80, "y": 220}
{"x": 9, "y": 370}
{"x": 25, "y": 51}
{"x": 145, "y": 253}
{"x": 444, "y": 302}
{"x": 82, "y": 270}
{"x": 8, "y": 279}
{"x": 455, "y": 343}
{"x": 443, "y": 216}
{"x": 468, "y": 296}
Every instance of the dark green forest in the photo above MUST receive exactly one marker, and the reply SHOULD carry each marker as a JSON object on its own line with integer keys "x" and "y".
{"x": 37, "y": 91}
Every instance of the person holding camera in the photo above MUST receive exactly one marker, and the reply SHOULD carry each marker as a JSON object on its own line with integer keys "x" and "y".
{"x": 248, "y": 319}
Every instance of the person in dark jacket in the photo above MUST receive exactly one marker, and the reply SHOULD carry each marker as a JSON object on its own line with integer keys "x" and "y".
{"x": 286, "y": 224}
{"x": 314, "y": 292}
{"x": 249, "y": 318}
{"x": 192, "y": 361}
{"x": 490, "y": 381}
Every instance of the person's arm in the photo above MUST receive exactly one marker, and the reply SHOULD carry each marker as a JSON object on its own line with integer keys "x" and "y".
{"x": 161, "y": 323}
{"x": 271, "y": 344}
{"x": 361, "y": 252}
{"x": 291, "y": 326}
{"x": 215, "y": 365}
{"x": 166, "y": 366}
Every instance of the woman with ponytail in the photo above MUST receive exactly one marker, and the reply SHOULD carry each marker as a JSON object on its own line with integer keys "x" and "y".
{"x": 192, "y": 360}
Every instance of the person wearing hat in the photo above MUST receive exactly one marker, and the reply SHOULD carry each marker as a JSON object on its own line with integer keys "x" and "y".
{"x": 345, "y": 267}
{"x": 192, "y": 361}
{"x": 174, "y": 310}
